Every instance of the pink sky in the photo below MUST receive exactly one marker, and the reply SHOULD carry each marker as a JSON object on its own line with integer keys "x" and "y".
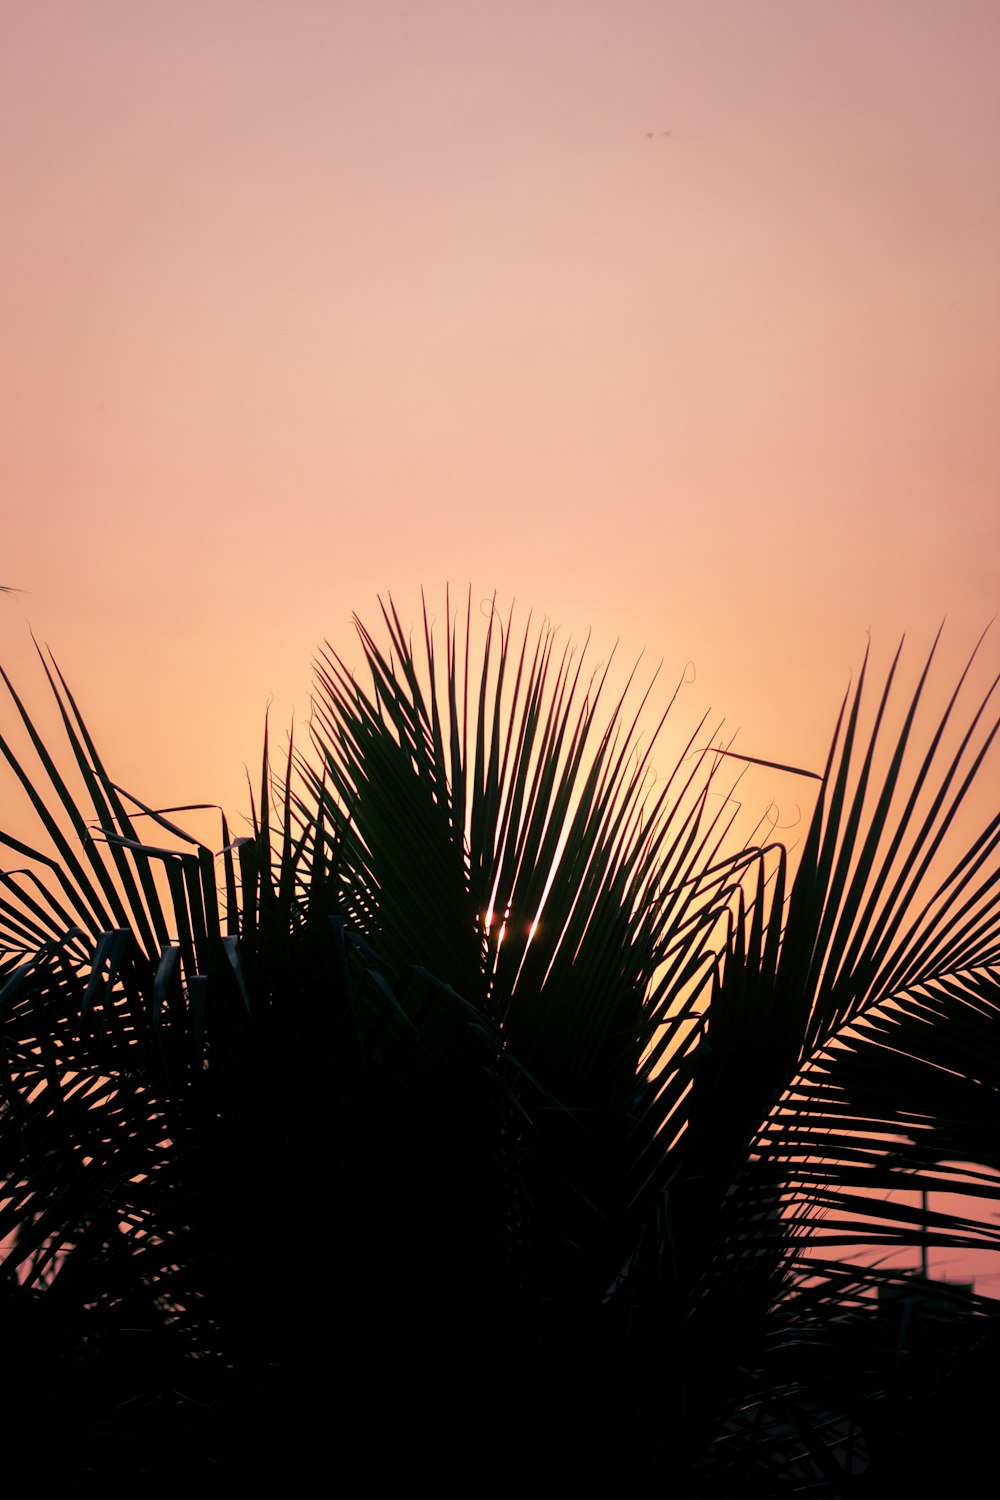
{"x": 308, "y": 301}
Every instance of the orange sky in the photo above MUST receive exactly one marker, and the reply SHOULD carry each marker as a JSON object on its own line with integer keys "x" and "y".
{"x": 308, "y": 301}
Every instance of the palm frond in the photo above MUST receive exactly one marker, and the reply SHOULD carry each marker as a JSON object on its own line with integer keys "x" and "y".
{"x": 502, "y": 833}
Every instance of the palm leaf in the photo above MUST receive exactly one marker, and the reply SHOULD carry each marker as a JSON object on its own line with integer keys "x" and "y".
{"x": 856, "y": 1057}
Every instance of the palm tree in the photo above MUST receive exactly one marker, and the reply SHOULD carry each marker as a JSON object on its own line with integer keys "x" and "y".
{"x": 499, "y": 1082}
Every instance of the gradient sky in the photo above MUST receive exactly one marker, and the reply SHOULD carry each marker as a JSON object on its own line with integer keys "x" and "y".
{"x": 680, "y": 321}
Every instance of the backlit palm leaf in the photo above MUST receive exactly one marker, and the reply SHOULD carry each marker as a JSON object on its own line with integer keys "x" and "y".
{"x": 504, "y": 834}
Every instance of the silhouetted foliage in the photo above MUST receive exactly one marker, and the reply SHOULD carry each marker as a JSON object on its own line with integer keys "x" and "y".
{"x": 478, "y": 1111}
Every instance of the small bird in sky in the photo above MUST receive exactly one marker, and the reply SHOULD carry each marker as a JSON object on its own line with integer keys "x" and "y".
{"x": 651, "y": 134}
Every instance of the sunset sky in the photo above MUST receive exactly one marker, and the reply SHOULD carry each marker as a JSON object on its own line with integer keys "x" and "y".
{"x": 680, "y": 321}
